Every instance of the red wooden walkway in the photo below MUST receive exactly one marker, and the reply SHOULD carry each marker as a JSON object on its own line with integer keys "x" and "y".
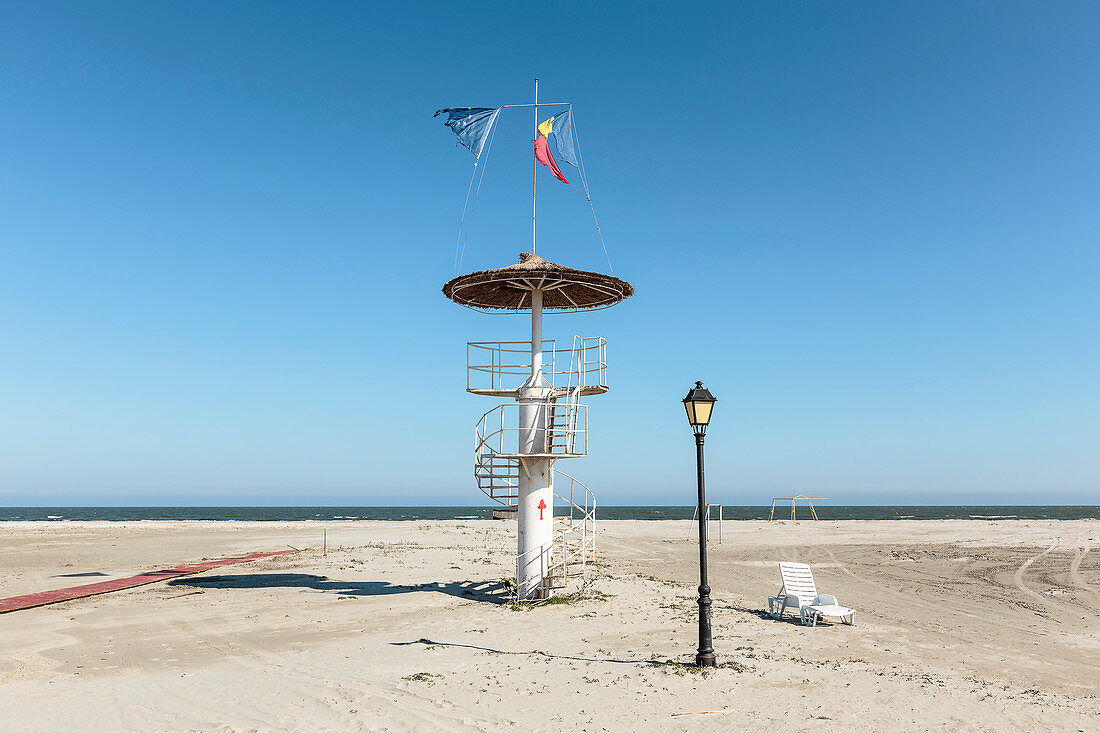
{"x": 17, "y": 603}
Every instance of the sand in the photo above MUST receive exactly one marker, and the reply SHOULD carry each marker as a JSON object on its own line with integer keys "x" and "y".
{"x": 960, "y": 625}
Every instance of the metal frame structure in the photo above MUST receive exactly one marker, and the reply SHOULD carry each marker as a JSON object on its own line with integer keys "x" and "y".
{"x": 504, "y": 435}
{"x": 794, "y": 499}
{"x": 509, "y": 366}
{"x": 564, "y": 434}
{"x": 709, "y": 519}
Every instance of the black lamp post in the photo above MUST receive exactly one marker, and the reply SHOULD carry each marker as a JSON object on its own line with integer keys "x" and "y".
{"x": 699, "y": 403}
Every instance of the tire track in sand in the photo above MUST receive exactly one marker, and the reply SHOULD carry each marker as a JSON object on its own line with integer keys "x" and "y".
{"x": 1018, "y": 577}
{"x": 908, "y": 598}
{"x": 1075, "y": 567}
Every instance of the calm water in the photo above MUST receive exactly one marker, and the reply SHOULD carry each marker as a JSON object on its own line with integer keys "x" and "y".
{"x": 343, "y": 513}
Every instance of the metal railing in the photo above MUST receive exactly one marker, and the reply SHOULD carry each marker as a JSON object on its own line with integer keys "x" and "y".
{"x": 588, "y": 362}
{"x": 559, "y": 429}
{"x": 582, "y": 519}
{"x": 570, "y": 552}
{"x": 498, "y": 477}
{"x": 503, "y": 366}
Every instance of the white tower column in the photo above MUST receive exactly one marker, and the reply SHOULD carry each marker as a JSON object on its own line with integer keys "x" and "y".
{"x": 535, "y": 504}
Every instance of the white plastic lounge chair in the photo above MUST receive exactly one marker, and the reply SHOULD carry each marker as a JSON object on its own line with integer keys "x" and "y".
{"x": 799, "y": 592}
{"x": 826, "y": 605}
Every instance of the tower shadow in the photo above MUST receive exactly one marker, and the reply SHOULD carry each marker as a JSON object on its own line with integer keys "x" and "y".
{"x": 486, "y": 591}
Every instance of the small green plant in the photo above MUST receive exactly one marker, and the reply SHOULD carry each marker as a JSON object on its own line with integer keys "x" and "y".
{"x": 422, "y": 677}
{"x": 682, "y": 668}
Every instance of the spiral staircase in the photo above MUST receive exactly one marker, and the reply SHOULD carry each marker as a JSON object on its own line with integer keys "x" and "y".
{"x": 494, "y": 369}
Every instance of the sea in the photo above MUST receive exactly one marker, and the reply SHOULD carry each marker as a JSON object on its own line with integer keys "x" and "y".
{"x": 415, "y": 513}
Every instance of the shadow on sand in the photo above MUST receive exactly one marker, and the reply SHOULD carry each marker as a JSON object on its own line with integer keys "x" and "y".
{"x": 492, "y": 591}
{"x": 536, "y": 652}
{"x": 790, "y": 617}
{"x": 758, "y": 612}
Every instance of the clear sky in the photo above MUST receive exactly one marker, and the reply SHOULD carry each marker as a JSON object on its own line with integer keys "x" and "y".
{"x": 872, "y": 229}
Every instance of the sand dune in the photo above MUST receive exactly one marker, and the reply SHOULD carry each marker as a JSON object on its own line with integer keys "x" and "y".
{"x": 963, "y": 625}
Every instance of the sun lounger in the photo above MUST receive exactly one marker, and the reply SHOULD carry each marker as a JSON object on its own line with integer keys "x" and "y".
{"x": 826, "y": 605}
{"x": 799, "y": 592}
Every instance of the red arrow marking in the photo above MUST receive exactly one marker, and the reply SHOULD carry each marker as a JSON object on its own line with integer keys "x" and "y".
{"x": 542, "y": 505}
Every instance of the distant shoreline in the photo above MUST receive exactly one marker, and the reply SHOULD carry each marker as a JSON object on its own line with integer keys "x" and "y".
{"x": 825, "y": 512}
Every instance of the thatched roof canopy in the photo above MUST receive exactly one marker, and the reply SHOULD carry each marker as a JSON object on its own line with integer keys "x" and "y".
{"x": 509, "y": 288}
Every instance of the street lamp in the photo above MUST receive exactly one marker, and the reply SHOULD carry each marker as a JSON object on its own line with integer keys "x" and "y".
{"x": 699, "y": 404}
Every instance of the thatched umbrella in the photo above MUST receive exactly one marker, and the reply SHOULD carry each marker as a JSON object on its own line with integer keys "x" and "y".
{"x": 510, "y": 288}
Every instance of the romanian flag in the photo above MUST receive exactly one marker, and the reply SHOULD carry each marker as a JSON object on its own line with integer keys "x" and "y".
{"x": 542, "y": 149}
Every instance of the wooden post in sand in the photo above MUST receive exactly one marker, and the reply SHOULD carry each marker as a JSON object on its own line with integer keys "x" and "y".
{"x": 324, "y": 541}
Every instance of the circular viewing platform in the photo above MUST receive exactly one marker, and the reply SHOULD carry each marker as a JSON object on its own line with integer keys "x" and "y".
{"x": 503, "y": 368}
{"x": 587, "y": 390}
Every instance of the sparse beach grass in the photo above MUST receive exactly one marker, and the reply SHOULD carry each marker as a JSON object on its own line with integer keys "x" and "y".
{"x": 957, "y": 622}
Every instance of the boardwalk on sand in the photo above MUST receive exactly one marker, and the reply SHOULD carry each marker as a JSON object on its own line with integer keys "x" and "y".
{"x": 18, "y": 603}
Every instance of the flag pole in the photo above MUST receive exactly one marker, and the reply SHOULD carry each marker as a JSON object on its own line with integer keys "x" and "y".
{"x": 541, "y": 104}
{"x": 534, "y": 167}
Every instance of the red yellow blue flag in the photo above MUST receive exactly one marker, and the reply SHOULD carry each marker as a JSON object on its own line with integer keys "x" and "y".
{"x": 542, "y": 148}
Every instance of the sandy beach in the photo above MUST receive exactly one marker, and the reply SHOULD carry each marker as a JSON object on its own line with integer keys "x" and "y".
{"x": 960, "y": 625}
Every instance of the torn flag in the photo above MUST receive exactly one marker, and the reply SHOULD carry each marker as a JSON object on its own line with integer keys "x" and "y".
{"x": 542, "y": 155}
{"x": 562, "y": 127}
{"x": 471, "y": 125}
{"x": 542, "y": 149}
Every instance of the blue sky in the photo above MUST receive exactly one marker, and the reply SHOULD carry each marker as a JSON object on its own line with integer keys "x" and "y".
{"x": 871, "y": 229}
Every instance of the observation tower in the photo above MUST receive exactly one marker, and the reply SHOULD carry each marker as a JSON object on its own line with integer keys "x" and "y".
{"x": 518, "y": 443}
